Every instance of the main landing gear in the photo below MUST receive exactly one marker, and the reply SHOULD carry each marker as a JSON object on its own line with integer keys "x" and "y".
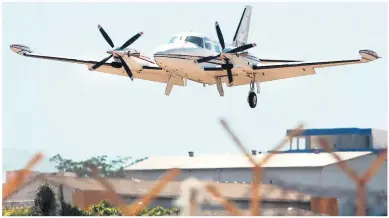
{"x": 252, "y": 97}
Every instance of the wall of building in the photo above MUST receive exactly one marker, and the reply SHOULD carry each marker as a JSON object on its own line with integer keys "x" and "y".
{"x": 328, "y": 206}
{"x": 203, "y": 174}
{"x": 246, "y": 204}
{"x": 350, "y": 141}
{"x": 27, "y": 192}
{"x": 333, "y": 176}
{"x": 163, "y": 202}
{"x": 329, "y": 176}
{"x": 292, "y": 174}
{"x": 241, "y": 204}
{"x": 67, "y": 194}
{"x": 380, "y": 138}
{"x": 86, "y": 198}
{"x": 83, "y": 199}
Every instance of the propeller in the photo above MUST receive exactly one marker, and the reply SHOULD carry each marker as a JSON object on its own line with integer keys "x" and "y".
{"x": 125, "y": 45}
{"x": 227, "y": 66}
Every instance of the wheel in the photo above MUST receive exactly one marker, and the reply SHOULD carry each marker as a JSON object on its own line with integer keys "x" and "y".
{"x": 252, "y": 99}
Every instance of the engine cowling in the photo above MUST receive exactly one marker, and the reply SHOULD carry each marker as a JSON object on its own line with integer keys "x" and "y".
{"x": 116, "y": 64}
{"x": 227, "y": 66}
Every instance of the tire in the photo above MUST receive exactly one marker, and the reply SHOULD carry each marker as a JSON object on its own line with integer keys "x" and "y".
{"x": 252, "y": 99}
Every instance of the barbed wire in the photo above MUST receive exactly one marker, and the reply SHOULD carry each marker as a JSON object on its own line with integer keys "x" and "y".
{"x": 357, "y": 200}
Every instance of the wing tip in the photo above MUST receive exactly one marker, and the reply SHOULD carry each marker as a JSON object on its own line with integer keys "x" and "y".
{"x": 368, "y": 54}
{"x": 20, "y": 49}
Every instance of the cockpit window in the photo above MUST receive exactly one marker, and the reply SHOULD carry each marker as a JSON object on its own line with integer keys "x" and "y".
{"x": 217, "y": 48}
{"x": 173, "y": 39}
{"x": 208, "y": 45}
{"x": 195, "y": 40}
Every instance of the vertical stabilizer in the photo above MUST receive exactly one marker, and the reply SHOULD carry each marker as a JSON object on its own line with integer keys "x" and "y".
{"x": 242, "y": 32}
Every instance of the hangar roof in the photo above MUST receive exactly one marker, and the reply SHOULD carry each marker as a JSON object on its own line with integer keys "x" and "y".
{"x": 240, "y": 161}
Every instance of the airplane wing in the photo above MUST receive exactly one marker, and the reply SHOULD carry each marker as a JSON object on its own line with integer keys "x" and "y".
{"x": 150, "y": 73}
{"x": 275, "y": 61}
{"x": 270, "y": 72}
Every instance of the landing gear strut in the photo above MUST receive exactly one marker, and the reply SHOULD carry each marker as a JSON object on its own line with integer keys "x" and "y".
{"x": 252, "y": 97}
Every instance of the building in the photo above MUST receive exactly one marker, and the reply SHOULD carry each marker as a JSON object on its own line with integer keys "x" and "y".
{"x": 340, "y": 139}
{"x": 305, "y": 165}
{"x": 311, "y": 169}
{"x": 85, "y": 191}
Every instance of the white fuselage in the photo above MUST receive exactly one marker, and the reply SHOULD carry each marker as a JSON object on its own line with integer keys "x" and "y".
{"x": 178, "y": 56}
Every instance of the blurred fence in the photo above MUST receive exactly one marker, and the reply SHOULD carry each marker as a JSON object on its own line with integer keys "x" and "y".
{"x": 357, "y": 200}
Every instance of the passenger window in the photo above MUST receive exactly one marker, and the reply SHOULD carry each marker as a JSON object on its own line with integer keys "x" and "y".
{"x": 195, "y": 40}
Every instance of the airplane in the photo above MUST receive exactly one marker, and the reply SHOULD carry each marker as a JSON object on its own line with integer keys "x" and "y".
{"x": 196, "y": 57}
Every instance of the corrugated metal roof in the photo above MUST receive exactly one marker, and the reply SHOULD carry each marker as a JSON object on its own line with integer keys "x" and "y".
{"x": 240, "y": 161}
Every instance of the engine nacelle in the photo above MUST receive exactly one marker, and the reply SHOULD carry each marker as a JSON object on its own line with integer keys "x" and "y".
{"x": 227, "y": 66}
{"x": 116, "y": 64}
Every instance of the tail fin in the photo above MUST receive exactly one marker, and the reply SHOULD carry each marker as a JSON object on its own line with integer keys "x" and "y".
{"x": 242, "y": 31}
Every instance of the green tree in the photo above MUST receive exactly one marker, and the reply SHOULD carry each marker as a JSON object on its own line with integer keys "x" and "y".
{"x": 104, "y": 208}
{"x": 44, "y": 202}
{"x": 17, "y": 211}
{"x": 112, "y": 168}
{"x": 159, "y": 211}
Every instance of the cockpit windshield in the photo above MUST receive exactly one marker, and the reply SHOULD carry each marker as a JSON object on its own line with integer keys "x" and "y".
{"x": 173, "y": 39}
{"x": 195, "y": 40}
{"x": 202, "y": 42}
{"x": 217, "y": 47}
{"x": 211, "y": 45}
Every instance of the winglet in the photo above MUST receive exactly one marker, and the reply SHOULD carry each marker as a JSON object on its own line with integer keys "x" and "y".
{"x": 368, "y": 55}
{"x": 20, "y": 49}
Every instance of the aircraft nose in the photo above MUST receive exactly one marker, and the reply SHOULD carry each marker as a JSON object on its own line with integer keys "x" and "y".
{"x": 160, "y": 54}
{"x": 161, "y": 50}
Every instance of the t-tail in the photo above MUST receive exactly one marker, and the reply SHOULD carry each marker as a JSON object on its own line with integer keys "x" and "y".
{"x": 242, "y": 32}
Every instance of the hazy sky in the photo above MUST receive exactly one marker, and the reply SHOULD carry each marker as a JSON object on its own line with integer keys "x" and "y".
{"x": 64, "y": 108}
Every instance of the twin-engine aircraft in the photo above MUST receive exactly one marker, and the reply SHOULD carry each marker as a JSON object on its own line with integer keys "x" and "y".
{"x": 193, "y": 56}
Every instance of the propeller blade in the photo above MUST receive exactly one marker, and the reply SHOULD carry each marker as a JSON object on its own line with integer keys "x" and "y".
{"x": 205, "y": 59}
{"x": 97, "y": 65}
{"x": 132, "y": 40}
{"x": 229, "y": 74}
{"x": 220, "y": 35}
{"x": 106, "y": 37}
{"x": 242, "y": 48}
{"x": 128, "y": 71}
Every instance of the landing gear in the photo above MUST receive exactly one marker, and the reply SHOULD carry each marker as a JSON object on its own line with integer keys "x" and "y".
{"x": 252, "y": 98}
